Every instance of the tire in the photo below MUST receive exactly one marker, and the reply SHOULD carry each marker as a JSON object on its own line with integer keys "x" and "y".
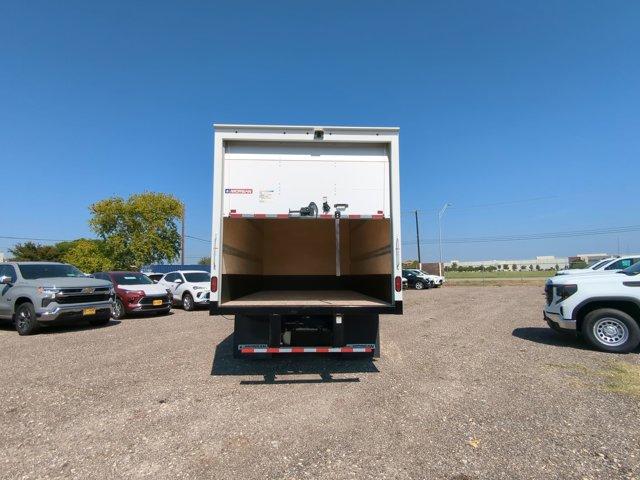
{"x": 187, "y": 302}
{"x": 99, "y": 322}
{"x": 118, "y": 311}
{"x": 611, "y": 330}
{"x": 418, "y": 285}
{"x": 25, "y": 319}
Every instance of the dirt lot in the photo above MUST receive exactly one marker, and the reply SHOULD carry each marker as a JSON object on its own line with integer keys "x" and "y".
{"x": 471, "y": 385}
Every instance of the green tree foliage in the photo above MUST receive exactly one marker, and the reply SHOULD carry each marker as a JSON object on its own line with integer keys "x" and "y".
{"x": 578, "y": 264}
{"x": 140, "y": 230}
{"x": 88, "y": 255}
{"x": 30, "y": 251}
{"x": 204, "y": 261}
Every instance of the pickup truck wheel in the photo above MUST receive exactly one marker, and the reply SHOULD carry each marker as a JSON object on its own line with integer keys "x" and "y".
{"x": 25, "y": 319}
{"x": 419, "y": 285}
{"x": 187, "y": 302}
{"x": 118, "y": 310}
{"x": 611, "y": 330}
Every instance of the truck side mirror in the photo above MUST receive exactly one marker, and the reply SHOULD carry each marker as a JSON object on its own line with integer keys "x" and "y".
{"x": 5, "y": 280}
{"x": 178, "y": 280}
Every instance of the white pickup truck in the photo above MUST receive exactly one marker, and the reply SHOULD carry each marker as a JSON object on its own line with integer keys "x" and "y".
{"x": 608, "y": 265}
{"x": 604, "y": 308}
{"x": 306, "y": 236}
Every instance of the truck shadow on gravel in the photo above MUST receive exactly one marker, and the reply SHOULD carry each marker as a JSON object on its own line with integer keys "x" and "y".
{"x": 546, "y": 336}
{"x": 290, "y": 365}
{"x": 7, "y": 325}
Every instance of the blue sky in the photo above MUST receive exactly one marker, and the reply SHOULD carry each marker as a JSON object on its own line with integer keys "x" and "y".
{"x": 534, "y": 106}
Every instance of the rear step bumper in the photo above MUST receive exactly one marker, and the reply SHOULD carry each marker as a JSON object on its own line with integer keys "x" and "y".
{"x": 358, "y": 349}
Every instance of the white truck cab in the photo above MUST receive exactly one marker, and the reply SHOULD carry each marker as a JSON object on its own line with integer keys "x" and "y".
{"x": 604, "y": 308}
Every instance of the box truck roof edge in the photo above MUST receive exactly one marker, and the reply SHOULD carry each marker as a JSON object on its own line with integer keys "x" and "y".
{"x": 339, "y": 250}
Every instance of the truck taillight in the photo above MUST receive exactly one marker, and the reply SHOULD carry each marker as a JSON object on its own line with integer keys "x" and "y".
{"x": 214, "y": 284}
{"x": 398, "y": 284}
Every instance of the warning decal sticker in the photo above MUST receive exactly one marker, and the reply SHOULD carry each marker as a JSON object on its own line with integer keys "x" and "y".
{"x": 239, "y": 190}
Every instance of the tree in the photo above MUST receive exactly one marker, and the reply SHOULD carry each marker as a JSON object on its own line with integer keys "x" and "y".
{"x": 88, "y": 256}
{"x": 30, "y": 251}
{"x": 578, "y": 264}
{"x": 505, "y": 266}
{"x": 204, "y": 261}
{"x": 138, "y": 231}
{"x": 538, "y": 268}
{"x": 514, "y": 267}
{"x": 557, "y": 267}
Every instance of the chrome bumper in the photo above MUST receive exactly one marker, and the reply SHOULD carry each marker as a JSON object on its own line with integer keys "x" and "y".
{"x": 74, "y": 311}
{"x": 558, "y": 320}
{"x": 147, "y": 307}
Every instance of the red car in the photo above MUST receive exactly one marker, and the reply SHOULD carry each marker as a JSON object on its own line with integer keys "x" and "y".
{"x": 136, "y": 293}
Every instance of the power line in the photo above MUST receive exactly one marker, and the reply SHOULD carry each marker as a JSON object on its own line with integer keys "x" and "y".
{"x": 36, "y": 239}
{"x": 484, "y": 205}
{"x": 534, "y": 236}
{"x": 198, "y": 238}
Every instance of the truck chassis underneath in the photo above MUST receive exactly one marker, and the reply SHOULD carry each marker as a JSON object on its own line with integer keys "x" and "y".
{"x": 354, "y": 335}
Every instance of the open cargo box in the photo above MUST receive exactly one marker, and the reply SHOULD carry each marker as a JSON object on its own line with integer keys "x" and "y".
{"x": 306, "y": 263}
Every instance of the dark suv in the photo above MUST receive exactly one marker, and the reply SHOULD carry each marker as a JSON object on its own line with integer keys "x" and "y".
{"x": 416, "y": 281}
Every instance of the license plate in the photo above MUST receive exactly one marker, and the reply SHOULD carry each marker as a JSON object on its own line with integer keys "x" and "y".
{"x": 157, "y": 302}
{"x": 89, "y": 311}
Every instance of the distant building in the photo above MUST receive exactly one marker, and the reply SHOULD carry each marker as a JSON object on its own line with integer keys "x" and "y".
{"x": 1, "y": 257}
{"x": 590, "y": 258}
{"x": 544, "y": 262}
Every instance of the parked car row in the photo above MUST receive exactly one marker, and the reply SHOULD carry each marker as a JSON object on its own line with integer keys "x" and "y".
{"x": 600, "y": 303}
{"x": 418, "y": 279}
{"x": 33, "y": 294}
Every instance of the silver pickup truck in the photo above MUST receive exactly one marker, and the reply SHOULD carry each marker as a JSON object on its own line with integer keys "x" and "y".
{"x": 37, "y": 293}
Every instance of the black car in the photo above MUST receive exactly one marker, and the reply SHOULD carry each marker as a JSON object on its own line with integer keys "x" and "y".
{"x": 415, "y": 281}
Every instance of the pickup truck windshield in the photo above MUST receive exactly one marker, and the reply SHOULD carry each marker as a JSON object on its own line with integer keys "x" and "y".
{"x": 43, "y": 270}
{"x": 197, "y": 277}
{"x": 601, "y": 264}
{"x": 632, "y": 270}
{"x": 131, "y": 279}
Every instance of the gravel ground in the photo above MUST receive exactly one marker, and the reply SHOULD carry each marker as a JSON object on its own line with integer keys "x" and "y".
{"x": 471, "y": 385}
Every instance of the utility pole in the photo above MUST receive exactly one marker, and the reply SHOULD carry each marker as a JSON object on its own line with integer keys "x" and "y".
{"x": 183, "y": 239}
{"x": 618, "y": 244}
{"x": 418, "y": 240}
{"x": 440, "y": 214}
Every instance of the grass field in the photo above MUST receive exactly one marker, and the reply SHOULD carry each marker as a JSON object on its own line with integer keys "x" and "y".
{"x": 500, "y": 274}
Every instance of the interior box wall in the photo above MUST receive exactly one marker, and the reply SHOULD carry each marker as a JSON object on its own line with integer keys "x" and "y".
{"x": 300, "y": 254}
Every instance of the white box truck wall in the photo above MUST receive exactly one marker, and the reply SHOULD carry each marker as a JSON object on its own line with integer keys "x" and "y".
{"x": 306, "y": 236}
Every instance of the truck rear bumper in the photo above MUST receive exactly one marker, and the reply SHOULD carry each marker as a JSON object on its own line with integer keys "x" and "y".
{"x": 247, "y": 349}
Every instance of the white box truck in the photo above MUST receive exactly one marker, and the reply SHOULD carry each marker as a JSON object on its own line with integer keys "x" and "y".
{"x": 306, "y": 236}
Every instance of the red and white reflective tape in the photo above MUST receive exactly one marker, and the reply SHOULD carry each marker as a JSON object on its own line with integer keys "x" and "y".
{"x": 306, "y": 350}
{"x": 378, "y": 216}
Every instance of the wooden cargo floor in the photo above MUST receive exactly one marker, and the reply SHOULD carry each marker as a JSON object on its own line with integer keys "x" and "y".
{"x": 306, "y": 298}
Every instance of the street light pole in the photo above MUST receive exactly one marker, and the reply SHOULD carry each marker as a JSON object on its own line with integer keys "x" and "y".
{"x": 440, "y": 214}
{"x": 418, "y": 240}
{"x": 184, "y": 214}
